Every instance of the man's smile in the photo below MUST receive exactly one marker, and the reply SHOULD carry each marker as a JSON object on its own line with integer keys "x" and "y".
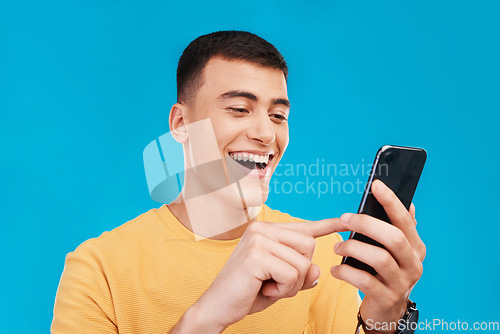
{"x": 252, "y": 160}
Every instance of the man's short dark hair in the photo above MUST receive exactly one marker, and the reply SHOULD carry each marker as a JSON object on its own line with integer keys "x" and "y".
{"x": 229, "y": 45}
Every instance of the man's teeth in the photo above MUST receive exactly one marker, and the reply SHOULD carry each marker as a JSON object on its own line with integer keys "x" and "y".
{"x": 250, "y": 157}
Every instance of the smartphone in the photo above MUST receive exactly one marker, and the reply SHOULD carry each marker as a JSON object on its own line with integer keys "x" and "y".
{"x": 399, "y": 168}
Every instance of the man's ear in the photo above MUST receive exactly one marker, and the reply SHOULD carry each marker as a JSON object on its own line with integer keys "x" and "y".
{"x": 177, "y": 123}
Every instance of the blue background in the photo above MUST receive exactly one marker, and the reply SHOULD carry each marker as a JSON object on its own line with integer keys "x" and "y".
{"x": 86, "y": 85}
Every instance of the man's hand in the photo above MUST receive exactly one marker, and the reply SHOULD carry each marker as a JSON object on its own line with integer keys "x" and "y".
{"x": 399, "y": 266}
{"x": 272, "y": 261}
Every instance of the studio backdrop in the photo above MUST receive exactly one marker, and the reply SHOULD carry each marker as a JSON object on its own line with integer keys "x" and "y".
{"x": 85, "y": 86}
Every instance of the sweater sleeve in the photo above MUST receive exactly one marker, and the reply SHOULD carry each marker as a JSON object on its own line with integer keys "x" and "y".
{"x": 83, "y": 300}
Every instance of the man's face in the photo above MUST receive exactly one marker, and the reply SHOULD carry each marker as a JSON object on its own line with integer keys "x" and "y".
{"x": 248, "y": 107}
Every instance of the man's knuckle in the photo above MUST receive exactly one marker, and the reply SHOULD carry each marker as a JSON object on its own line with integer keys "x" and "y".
{"x": 295, "y": 274}
{"x": 366, "y": 282}
{"x": 392, "y": 298}
{"x": 408, "y": 218}
{"x": 257, "y": 241}
{"x": 422, "y": 250}
{"x": 304, "y": 265}
{"x": 291, "y": 277}
{"x": 311, "y": 244}
{"x": 419, "y": 271}
{"x": 385, "y": 260}
{"x": 399, "y": 239}
{"x": 255, "y": 254}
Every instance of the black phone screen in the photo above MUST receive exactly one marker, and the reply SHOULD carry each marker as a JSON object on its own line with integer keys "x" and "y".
{"x": 400, "y": 169}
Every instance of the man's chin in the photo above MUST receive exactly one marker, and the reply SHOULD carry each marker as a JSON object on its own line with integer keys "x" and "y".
{"x": 254, "y": 196}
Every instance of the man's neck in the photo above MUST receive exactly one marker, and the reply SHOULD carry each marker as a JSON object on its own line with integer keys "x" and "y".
{"x": 210, "y": 216}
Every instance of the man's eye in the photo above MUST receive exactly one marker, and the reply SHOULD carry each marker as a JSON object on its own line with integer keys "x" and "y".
{"x": 279, "y": 118}
{"x": 238, "y": 110}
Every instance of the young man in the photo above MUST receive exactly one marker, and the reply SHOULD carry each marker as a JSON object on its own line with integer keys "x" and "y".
{"x": 218, "y": 259}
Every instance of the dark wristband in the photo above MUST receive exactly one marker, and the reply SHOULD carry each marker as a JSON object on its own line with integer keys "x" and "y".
{"x": 406, "y": 325}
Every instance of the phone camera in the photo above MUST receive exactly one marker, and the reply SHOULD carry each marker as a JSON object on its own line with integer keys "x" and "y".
{"x": 389, "y": 156}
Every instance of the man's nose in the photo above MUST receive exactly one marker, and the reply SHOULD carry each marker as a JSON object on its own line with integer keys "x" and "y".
{"x": 262, "y": 129}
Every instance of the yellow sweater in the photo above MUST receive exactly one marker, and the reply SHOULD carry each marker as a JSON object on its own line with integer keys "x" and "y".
{"x": 142, "y": 276}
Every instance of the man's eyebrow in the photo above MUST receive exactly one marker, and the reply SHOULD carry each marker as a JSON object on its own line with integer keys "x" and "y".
{"x": 284, "y": 102}
{"x": 237, "y": 93}
{"x": 251, "y": 96}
